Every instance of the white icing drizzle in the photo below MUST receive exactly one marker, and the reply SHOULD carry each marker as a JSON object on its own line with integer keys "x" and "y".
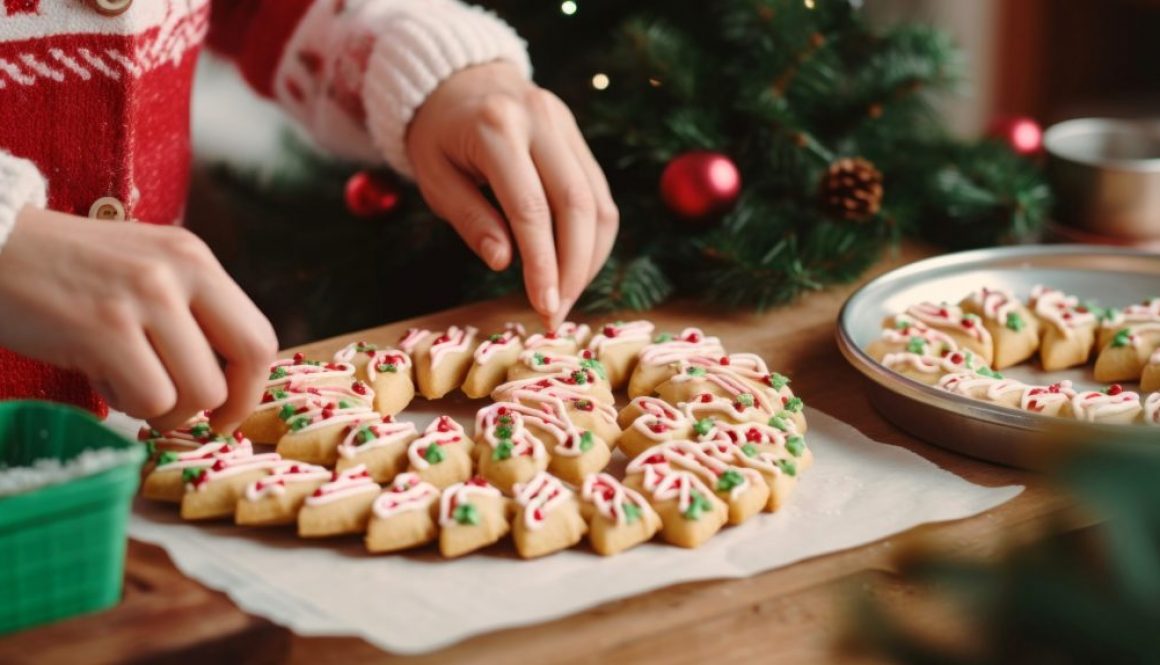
{"x": 707, "y": 404}
{"x": 206, "y": 454}
{"x": 566, "y": 335}
{"x": 321, "y": 413}
{"x": 736, "y": 436}
{"x": 407, "y": 493}
{"x": 1152, "y": 409}
{"x": 460, "y": 494}
{"x": 545, "y": 363}
{"x": 287, "y": 472}
{"x": 968, "y": 383}
{"x": 1037, "y": 398}
{"x": 569, "y": 396}
{"x": 412, "y": 339}
{"x": 348, "y": 353}
{"x": 950, "y": 316}
{"x": 657, "y": 418}
{"x": 935, "y": 339}
{"x": 385, "y": 358}
{"x": 996, "y": 304}
{"x": 297, "y": 371}
{"x": 382, "y": 434}
{"x": 726, "y": 381}
{"x": 1146, "y": 312}
{"x": 351, "y": 482}
{"x": 443, "y": 431}
{"x": 1142, "y": 335}
{"x": 674, "y": 484}
{"x": 1093, "y": 405}
{"x": 615, "y": 334}
{"x": 563, "y": 381}
{"x": 495, "y": 343}
{"x": 196, "y": 432}
{"x": 490, "y": 418}
{"x": 223, "y": 467}
{"x": 301, "y": 394}
{"x": 455, "y": 340}
{"x": 674, "y": 456}
{"x": 952, "y": 362}
{"x": 1061, "y": 310}
{"x": 539, "y": 497}
{"x": 608, "y": 496}
{"x": 691, "y": 342}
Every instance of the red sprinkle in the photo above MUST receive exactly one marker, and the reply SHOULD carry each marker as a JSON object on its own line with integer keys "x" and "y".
{"x": 693, "y": 337}
{"x": 753, "y": 436}
{"x": 298, "y": 358}
{"x": 359, "y": 388}
{"x": 706, "y": 398}
{"x": 609, "y": 331}
{"x": 1115, "y": 389}
{"x": 725, "y": 361}
{"x": 238, "y": 436}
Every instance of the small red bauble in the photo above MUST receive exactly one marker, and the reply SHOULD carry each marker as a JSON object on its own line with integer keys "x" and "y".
{"x": 371, "y": 194}
{"x": 1022, "y": 134}
{"x": 700, "y": 184}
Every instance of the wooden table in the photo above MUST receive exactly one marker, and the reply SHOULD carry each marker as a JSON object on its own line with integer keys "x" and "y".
{"x": 793, "y": 614}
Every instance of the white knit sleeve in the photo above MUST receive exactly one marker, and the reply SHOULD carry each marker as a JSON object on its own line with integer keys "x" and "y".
{"x": 354, "y": 79}
{"x": 20, "y": 185}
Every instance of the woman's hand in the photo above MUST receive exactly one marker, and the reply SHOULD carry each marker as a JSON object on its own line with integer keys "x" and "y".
{"x": 488, "y": 124}
{"x": 141, "y": 310}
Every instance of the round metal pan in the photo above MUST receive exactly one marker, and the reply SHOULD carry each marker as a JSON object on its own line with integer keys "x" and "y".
{"x": 1111, "y": 276}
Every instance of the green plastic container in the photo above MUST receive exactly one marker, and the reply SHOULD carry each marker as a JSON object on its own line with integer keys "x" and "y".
{"x": 62, "y": 547}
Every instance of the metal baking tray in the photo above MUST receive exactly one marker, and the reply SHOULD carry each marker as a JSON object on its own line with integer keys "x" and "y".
{"x": 1111, "y": 276}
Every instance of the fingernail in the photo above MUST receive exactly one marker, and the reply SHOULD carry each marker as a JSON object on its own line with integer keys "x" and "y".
{"x": 551, "y": 300}
{"x": 491, "y": 251}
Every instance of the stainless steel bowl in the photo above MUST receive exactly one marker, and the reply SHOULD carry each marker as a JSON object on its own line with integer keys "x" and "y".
{"x": 1105, "y": 175}
{"x": 1110, "y": 275}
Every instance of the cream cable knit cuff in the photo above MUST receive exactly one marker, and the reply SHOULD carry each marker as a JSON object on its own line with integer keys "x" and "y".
{"x": 20, "y": 184}
{"x": 417, "y": 50}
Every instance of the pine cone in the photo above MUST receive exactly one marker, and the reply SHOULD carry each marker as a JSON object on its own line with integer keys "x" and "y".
{"x": 851, "y": 189}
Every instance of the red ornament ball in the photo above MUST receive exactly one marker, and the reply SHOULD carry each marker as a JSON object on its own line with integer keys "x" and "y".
{"x": 700, "y": 184}
{"x": 371, "y": 194}
{"x": 1022, "y": 134}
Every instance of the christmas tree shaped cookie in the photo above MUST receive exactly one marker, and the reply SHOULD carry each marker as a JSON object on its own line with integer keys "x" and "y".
{"x": 491, "y": 360}
{"x": 442, "y": 455}
{"x": 618, "y": 518}
{"x": 472, "y": 515}
{"x": 534, "y": 363}
{"x": 1053, "y": 400}
{"x": 290, "y": 381}
{"x": 193, "y": 434}
{"x": 930, "y": 369}
{"x": 277, "y": 498}
{"x": 781, "y": 469}
{"x": 405, "y": 515}
{"x": 1068, "y": 328}
{"x": 508, "y": 451}
{"x": 966, "y": 329}
{"x": 584, "y": 412}
{"x": 442, "y": 360}
{"x": 389, "y": 372}
{"x": 583, "y": 382}
{"x": 649, "y": 421}
{"x": 1014, "y": 330}
{"x": 743, "y": 490}
{"x": 318, "y": 426}
{"x": 616, "y": 346}
{"x": 655, "y": 362}
{"x": 547, "y": 517}
{"x": 1114, "y": 320}
{"x": 212, "y": 492}
{"x": 172, "y": 470}
{"x": 753, "y": 402}
{"x": 984, "y": 385}
{"x": 574, "y": 452}
{"x": 379, "y": 446}
{"x": 567, "y": 339}
{"x": 1127, "y": 352}
{"x": 725, "y": 439}
{"x": 340, "y": 506}
{"x": 358, "y": 355}
{"x": 690, "y": 512}
{"x": 1112, "y": 405}
{"x": 907, "y": 335}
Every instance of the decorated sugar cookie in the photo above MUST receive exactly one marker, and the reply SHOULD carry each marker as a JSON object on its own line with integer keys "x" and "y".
{"x": 277, "y": 498}
{"x": 988, "y": 387}
{"x": 911, "y": 336}
{"x": 619, "y": 517}
{"x": 735, "y": 378}
{"x": 616, "y": 347}
{"x": 507, "y": 450}
{"x": 318, "y": 426}
{"x": 193, "y": 434}
{"x": 1053, "y": 400}
{"x": 380, "y": 446}
{"x": 1112, "y": 320}
{"x": 405, "y": 515}
{"x": 491, "y": 360}
{"x": 212, "y": 492}
{"x": 930, "y": 369}
{"x": 547, "y": 517}
{"x": 359, "y": 355}
{"x": 567, "y": 339}
{"x": 442, "y": 360}
{"x": 1127, "y": 352}
{"x": 751, "y": 439}
{"x": 573, "y": 451}
{"x": 340, "y": 506}
{"x": 442, "y": 455}
{"x": 534, "y": 363}
{"x": 689, "y": 510}
{"x": 1068, "y": 328}
{"x": 172, "y": 470}
{"x": 288, "y": 382}
{"x": 1113, "y": 405}
{"x": 965, "y": 328}
{"x": 654, "y": 361}
{"x": 1150, "y": 377}
{"x": 389, "y": 372}
{"x": 649, "y": 421}
{"x": 583, "y": 411}
{"x": 781, "y": 469}
{"x": 1014, "y": 330}
{"x": 1152, "y": 409}
{"x": 582, "y": 382}
{"x": 472, "y": 515}
{"x": 743, "y": 490}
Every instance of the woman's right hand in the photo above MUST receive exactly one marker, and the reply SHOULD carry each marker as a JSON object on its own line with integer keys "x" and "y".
{"x": 144, "y": 311}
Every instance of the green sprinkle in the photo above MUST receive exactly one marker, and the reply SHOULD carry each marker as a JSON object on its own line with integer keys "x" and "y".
{"x": 728, "y": 480}
{"x": 703, "y": 426}
{"x": 363, "y": 347}
{"x": 631, "y": 512}
{"x": 1102, "y": 313}
{"x": 988, "y": 372}
{"x": 365, "y": 435}
{"x": 504, "y": 420}
{"x": 299, "y": 423}
{"x": 580, "y": 377}
{"x": 1015, "y": 322}
{"x": 278, "y": 373}
{"x": 287, "y": 412}
{"x": 503, "y": 432}
{"x": 745, "y": 399}
{"x": 538, "y": 358}
{"x": 434, "y": 454}
{"x": 697, "y": 506}
{"x": 779, "y": 422}
{"x": 586, "y": 442}
{"x": 497, "y": 337}
{"x": 466, "y": 513}
{"x": 166, "y": 457}
{"x": 787, "y": 467}
{"x": 662, "y": 338}
{"x": 778, "y": 381}
{"x": 749, "y": 450}
{"x": 901, "y": 324}
{"x": 150, "y": 449}
{"x": 696, "y": 371}
{"x": 794, "y": 404}
{"x": 387, "y": 368}
{"x": 796, "y": 445}
{"x": 1122, "y": 338}
{"x": 313, "y": 363}
{"x": 503, "y": 450}
{"x": 278, "y": 394}
{"x": 595, "y": 365}
{"x": 344, "y": 404}
{"x": 916, "y": 345}
{"x": 191, "y": 474}
{"x": 199, "y": 430}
